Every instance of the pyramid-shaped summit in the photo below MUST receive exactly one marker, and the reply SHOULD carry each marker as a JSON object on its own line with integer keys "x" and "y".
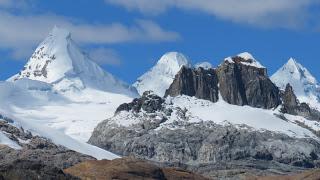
{"x": 304, "y": 84}
{"x": 59, "y": 61}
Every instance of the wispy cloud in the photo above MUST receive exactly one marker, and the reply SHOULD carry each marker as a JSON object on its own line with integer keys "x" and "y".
{"x": 265, "y": 13}
{"x": 105, "y": 56}
{"x": 20, "y": 33}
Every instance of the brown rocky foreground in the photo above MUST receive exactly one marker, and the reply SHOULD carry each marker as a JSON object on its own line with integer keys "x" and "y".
{"x": 128, "y": 168}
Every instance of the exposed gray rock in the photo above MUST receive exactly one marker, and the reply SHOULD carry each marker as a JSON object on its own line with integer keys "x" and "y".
{"x": 291, "y": 105}
{"x": 148, "y": 102}
{"x": 198, "y": 146}
{"x": 201, "y": 83}
{"x": 241, "y": 84}
{"x": 39, "y": 158}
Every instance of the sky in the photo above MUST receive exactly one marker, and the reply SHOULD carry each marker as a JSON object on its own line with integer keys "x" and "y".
{"x": 127, "y": 37}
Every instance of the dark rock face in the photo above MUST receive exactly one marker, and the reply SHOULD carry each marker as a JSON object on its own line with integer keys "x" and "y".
{"x": 148, "y": 102}
{"x": 247, "y": 85}
{"x": 292, "y": 106}
{"x": 239, "y": 84}
{"x": 199, "y": 82}
{"x": 38, "y": 157}
{"x": 30, "y": 170}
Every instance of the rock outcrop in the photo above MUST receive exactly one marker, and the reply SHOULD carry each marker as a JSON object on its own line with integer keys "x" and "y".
{"x": 306, "y": 175}
{"x": 204, "y": 147}
{"x": 38, "y": 157}
{"x": 173, "y": 131}
{"x": 242, "y": 84}
{"x": 291, "y": 105}
{"x": 128, "y": 168}
{"x": 201, "y": 83}
{"x": 239, "y": 83}
{"x": 148, "y": 102}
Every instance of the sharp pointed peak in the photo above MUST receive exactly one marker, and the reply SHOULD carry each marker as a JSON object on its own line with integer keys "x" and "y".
{"x": 174, "y": 57}
{"x": 60, "y": 32}
{"x": 292, "y": 61}
{"x": 292, "y": 64}
{"x": 295, "y": 70}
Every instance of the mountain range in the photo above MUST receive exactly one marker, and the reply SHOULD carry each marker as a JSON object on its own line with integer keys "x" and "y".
{"x": 232, "y": 119}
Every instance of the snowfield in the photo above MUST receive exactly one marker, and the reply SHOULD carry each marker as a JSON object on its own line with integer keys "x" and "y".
{"x": 198, "y": 110}
{"x": 61, "y": 94}
{"x": 222, "y": 113}
{"x": 65, "y": 122}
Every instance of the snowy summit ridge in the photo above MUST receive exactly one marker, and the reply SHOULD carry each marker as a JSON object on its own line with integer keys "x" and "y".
{"x": 159, "y": 77}
{"x": 247, "y": 59}
{"x": 204, "y": 65}
{"x": 59, "y": 61}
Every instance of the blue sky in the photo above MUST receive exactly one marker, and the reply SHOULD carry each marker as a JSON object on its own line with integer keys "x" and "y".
{"x": 127, "y": 37}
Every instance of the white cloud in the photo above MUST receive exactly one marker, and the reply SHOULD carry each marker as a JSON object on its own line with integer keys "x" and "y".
{"x": 268, "y": 13}
{"x": 105, "y": 56}
{"x": 21, "y": 33}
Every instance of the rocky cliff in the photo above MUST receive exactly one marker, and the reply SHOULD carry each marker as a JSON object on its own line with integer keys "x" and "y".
{"x": 205, "y": 147}
{"x": 242, "y": 84}
{"x": 239, "y": 84}
{"x": 38, "y": 158}
{"x": 201, "y": 83}
{"x": 222, "y": 123}
{"x": 291, "y": 105}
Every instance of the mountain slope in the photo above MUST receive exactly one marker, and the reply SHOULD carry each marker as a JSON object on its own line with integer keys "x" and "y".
{"x": 214, "y": 139}
{"x": 305, "y": 85}
{"x": 62, "y": 95}
{"x": 227, "y": 120}
{"x": 63, "y": 88}
{"x": 59, "y": 61}
{"x": 159, "y": 77}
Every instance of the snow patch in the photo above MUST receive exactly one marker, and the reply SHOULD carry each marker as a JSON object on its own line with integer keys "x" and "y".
{"x": 249, "y": 60}
{"x": 4, "y": 140}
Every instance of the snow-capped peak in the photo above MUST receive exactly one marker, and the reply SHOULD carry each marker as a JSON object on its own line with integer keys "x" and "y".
{"x": 304, "y": 84}
{"x": 294, "y": 72}
{"x": 57, "y": 33}
{"x": 246, "y": 56}
{"x": 204, "y": 65}
{"x": 59, "y": 61}
{"x": 159, "y": 77}
{"x": 174, "y": 60}
{"x": 299, "y": 72}
{"x": 246, "y": 59}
